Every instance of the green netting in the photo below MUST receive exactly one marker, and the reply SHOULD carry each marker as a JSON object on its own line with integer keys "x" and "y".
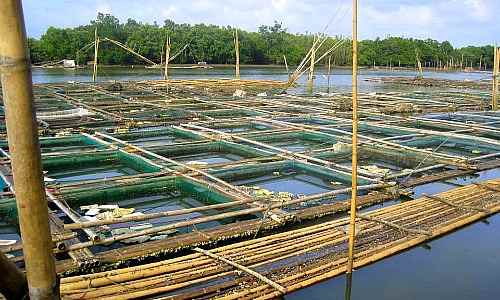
{"x": 117, "y": 193}
{"x": 8, "y": 210}
{"x": 200, "y": 192}
{"x": 84, "y": 160}
{"x": 137, "y": 163}
{"x": 317, "y": 137}
{"x": 206, "y": 147}
{"x": 120, "y": 192}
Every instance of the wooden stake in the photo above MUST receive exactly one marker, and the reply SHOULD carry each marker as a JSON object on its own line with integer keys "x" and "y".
{"x": 286, "y": 66}
{"x": 496, "y": 65}
{"x": 167, "y": 58}
{"x": 329, "y": 71}
{"x": 354, "y": 180}
{"x": 237, "y": 51}
{"x": 96, "y": 51}
{"x": 22, "y": 131}
{"x": 310, "y": 80}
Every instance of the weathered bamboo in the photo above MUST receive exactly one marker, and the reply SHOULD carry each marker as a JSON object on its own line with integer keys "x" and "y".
{"x": 286, "y": 67}
{"x": 96, "y": 51}
{"x": 354, "y": 172}
{"x": 329, "y": 71}
{"x": 237, "y": 53}
{"x": 496, "y": 66}
{"x": 310, "y": 79}
{"x": 243, "y": 268}
{"x": 408, "y": 214}
{"x": 167, "y": 58}
{"x": 25, "y": 152}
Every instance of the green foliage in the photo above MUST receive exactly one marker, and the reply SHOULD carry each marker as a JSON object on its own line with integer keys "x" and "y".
{"x": 214, "y": 44}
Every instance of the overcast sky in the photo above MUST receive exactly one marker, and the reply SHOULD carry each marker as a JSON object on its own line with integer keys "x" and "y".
{"x": 462, "y": 22}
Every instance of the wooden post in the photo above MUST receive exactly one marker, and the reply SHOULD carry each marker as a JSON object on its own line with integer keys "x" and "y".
{"x": 167, "y": 58}
{"x": 22, "y": 131}
{"x": 286, "y": 66}
{"x": 329, "y": 71}
{"x": 310, "y": 80}
{"x": 496, "y": 65}
{"x": 13, "y": 283}
{"x": 354, "y": 180}
{"x": 237, "y": 51}
{"x": 96, "y": 51}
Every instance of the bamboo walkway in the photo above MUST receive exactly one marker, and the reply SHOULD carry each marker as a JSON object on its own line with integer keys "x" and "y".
{"x": 294, "y": 259}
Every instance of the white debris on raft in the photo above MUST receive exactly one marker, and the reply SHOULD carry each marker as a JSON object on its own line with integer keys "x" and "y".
{"x": 239, "y": 93}
{"x": 376, "y": 170}
{"x": 341, "y": 147}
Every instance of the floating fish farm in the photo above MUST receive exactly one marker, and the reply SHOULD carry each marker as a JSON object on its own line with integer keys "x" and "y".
{"x": 234, "y": 189}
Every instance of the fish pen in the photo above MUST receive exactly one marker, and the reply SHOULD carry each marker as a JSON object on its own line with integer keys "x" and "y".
{"x": 233, "y": 189}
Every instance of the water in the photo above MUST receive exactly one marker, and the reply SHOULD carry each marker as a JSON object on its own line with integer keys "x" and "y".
{"x": 340, "y": 79}
{"x": 462, "y": 265}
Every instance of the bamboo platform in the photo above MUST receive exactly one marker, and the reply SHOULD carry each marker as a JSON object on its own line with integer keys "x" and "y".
{"x": 150, "y": 144}
{"x": 293, "y": 259}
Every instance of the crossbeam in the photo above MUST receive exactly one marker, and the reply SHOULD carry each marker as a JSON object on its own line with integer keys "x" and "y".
{"x": 275, "y": 285}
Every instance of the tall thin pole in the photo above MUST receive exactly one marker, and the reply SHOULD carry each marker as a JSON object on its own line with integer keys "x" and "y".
{"x": 237, "y": 52}
{"x": 286, "y": 66}
{"x": 494, "y": 96}
{"x": 329, "y": 71}
{"x": 167, "y": 58}
{"x": 310, "y": 80}
{"x": 354, "y": 180}
{"x": 96, "y": 51}
{"x": 22, "y": 132}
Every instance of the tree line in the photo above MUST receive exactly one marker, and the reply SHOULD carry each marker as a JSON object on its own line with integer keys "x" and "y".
{"x": 214, "y": 45}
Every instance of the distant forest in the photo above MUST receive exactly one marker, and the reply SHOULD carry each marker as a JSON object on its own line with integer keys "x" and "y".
{"x": 214, "y": 45}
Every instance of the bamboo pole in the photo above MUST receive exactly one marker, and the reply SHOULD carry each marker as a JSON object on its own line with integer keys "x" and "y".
{"x": 496, "y": 66}
{"x": 354, "y": 180}
{"x": 329, "y": 71}
{"x": 237, "y": 52}
{"x": 167, "y": 59}
{"x": 286, "y": 66}
{"x": 310, "y": 79}
{"x": 96, "y": 51}
{"x": 243, "y": 268}
{"x": 25, "y": 152}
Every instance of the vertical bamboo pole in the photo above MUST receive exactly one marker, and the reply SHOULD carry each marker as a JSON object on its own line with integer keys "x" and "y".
{"x": 286, "y": 66}
{"x": 237, "y": 51}
{"x": 13, "y": 285}
{"x": 167, "y": 57}
{"x": 329, "y": 71}
{"x": 496, "y": 62}
{"x": 22, "y": 132}
{"x": 310, "y": 79}
{"x": 96, "y": 51}
{"x": 354, "y": 180}
{"x": 167, "y": 60}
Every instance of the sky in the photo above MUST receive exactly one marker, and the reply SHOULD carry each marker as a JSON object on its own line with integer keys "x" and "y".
{"x": 462, "y": 22}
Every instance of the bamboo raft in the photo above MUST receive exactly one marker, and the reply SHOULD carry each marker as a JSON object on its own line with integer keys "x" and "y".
{"x": 155, "y": 130}
{"x": 295, "y": 259}
{"x": 433, "y": 82}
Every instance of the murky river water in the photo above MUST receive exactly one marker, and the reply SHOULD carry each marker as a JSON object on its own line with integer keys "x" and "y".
{"x": 462, "y": 265}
